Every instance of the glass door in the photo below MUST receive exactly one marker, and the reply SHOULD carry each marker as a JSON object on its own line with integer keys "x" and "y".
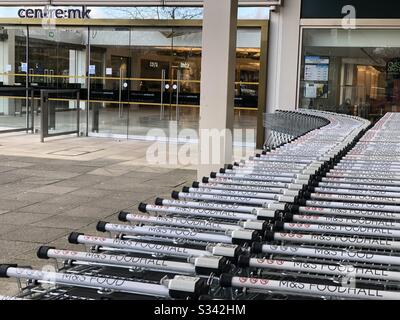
{"x": 185, "y": 76}
{"x": 165, "y": 89}
{"x": 57, "y": 63}
{"x": 109, "y": 72}
{"x": 14, "y": 102}
{"x": 150, "y": 107}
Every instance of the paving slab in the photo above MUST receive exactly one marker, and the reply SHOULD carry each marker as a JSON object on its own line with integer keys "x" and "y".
{"x": 13, "y": 204}
{"x": 81, "y": 181}
{"x": 9, "y": 248}
{"x": 76, "y": 167}
{"x": 110, "y": 204}
{"x": 92, "y": 212}
{"x": 126, "y": 183}
{"x": 4, "y": 228}
{"x": 69, "y": 199}
{"x": 63, "y": 221}
{"x": 8, "y": 287}
{"x": 45, "y": 173}
{"x": 6, "y": 169}
{"x": 110, "y": 171}
{"x": 31, "y": 234}
{"x": 11, "y": 177}
{"x": 52, "y": 189}
{"x": 16, "y": 188}
{"x": 21, "y": 218}
{"x": 31, "y": 197}
{"x": 50, "y": 208}
{"x": 133, "y": 166}
{"x": 88, "y": 193}
{"x": 33, "y": 181}
{"x": 16, "y": 164}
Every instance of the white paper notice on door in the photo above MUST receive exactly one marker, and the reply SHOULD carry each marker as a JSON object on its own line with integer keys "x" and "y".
{"x": 24, "y": 67}
{"x": 310, "y": 91}
{"x": 92, "y": 69}
{"x": 108, "y": 71}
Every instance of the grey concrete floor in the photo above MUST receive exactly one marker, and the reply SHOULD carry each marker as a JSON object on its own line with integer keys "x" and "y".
{"x": 43, "y": 199}
{"x": 69, "y": 184}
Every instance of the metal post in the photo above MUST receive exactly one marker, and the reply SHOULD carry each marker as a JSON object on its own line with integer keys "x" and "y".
{"x": 78, "y": 114}
{"x": 43, "y": 116}
{"x": 27, "y": 78}
{"x": 178, "y": 88}
{"x": 33, "y": 110}
{"x": 88, "y": 83}
{"x": 120, "y": 107}
{"x": 51, "y": 114}
{"x": 162, "y": 107}
{"x": 28, "y": 108}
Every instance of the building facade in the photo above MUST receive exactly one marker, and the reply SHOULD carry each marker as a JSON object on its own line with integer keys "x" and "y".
{"x": 335, "y": 55}
{"x": 136, "y": 75}
{"x": 133, "y": 75}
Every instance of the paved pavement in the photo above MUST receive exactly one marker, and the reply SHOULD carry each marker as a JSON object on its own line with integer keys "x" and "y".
{"x": 69, "y": 184}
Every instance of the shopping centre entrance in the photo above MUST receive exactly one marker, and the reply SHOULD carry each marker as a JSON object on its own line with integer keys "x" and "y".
{"x": 132, "y": 76}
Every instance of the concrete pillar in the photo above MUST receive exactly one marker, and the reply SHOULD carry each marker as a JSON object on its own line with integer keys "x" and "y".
{"x": 283, "y": 57}
{"x": 217, "y": 84}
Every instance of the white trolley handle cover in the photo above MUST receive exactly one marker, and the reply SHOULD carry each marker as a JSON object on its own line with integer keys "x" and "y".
{"x": 177, "y": 288}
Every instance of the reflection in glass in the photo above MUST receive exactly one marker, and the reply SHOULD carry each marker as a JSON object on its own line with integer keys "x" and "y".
{"x": 57, "y": 60}
{"x": 134, "y": 79}
{"x": 354, "y": 72}
{"x": 109, "y": 69}
{"x": 13, "y": 68}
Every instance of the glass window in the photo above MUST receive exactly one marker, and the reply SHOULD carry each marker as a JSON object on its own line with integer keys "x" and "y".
{"x": 131, "y": 79}
{"x": 351, "y": 71}
{"x": 57, "y": 60}
{"x": 13, "y": 68}
{"x": 169, "y": 13}
{"x": 57, "y": 56}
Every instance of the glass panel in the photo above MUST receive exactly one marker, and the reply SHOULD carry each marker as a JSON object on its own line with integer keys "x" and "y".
{"x": 351, "y": 71}
{"x": 169, "y": 13}
{"x": 150, "y": 90}
{"x": 247, "y": 85}
{"x": 155, "y": 12}
{"x": 110, "y": 73}
{"x": 13, "y": 67}
{"x": 62, "y": 117}
{"x": 57, "y": 60}
{"x": 177, "y": 51}
{"x": 186, "y": 72}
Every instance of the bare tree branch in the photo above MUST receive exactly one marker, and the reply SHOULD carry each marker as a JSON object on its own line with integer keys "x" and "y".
{"x": 158, "y": 13}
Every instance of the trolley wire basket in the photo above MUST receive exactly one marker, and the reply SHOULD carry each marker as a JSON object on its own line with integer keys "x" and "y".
{"x": 284, "y": 126}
